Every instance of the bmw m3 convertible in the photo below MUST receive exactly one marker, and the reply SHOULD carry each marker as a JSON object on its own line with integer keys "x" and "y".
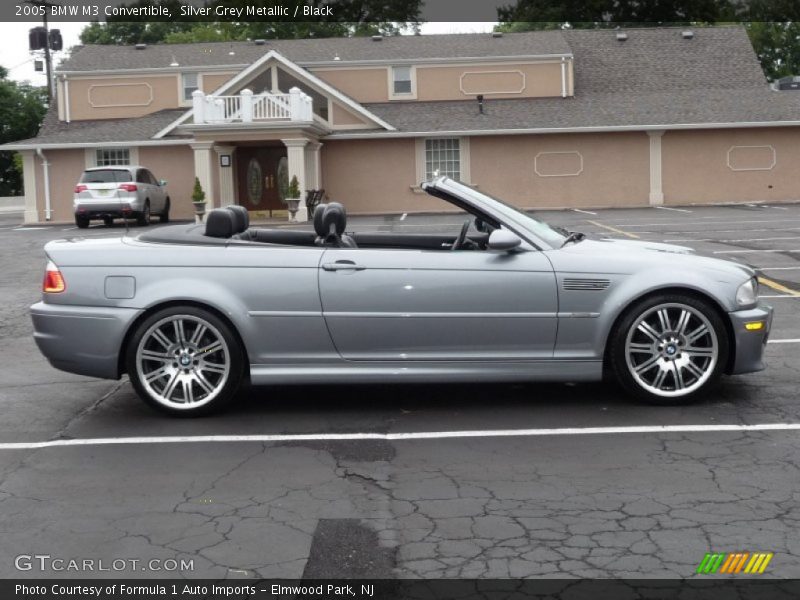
{"x": 189, "y": 312}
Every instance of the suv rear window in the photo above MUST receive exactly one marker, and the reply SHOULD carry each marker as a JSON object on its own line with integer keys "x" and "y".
{"x": 106, "y": 176}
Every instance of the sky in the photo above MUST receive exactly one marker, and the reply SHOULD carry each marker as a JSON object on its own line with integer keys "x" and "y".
{"x": 15, "y": 57}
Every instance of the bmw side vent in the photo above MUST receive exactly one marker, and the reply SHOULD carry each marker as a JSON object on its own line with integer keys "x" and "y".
{"x": 589, "y": 285}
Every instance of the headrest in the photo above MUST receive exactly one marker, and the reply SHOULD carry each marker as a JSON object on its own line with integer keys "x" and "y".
{"x": 241, "y": 217}
{"x": 334, "y": 219}
{"x": 319, "y": 213}
{"x": 220, "y": 223}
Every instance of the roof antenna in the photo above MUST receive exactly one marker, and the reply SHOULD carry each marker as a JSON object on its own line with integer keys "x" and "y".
{"x": 480, "y": 103}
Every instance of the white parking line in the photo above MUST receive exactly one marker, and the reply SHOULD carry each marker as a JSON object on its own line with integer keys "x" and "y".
{"x": 29, "y": 228}
{"x": 707, "y": 231}
{"x": 789, "y": 237}
{"x": 396, "y": 437}
{"x": 777, "y": 268}
{"x": 670, "y": 208}
{"x": 586, "y": 212}
{"x": 722, "y": 222}
{"x": 773, "y": 297}
{"x": 791, "y": 341}
{"x": 751, "y": 251}
{"x": 403, "y": 216}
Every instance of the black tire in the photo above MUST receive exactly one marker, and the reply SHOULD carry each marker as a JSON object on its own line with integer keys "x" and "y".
{"x": 165, "y": 215}
{"x": 108, "y": 221}
{"x": 156, "y": 393}
{"x": 671, "y": 351}
{"x": 143, "y": 218}
{"x": 82, "y": 222}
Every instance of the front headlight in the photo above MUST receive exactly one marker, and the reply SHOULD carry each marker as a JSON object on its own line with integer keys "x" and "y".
{"x": 747, "y": 292}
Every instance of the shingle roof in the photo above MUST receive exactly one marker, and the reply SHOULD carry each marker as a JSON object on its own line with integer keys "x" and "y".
{"x": 713, "y": 106}
{"x": 54, "y": 131}
{"x": 92, "y": 57}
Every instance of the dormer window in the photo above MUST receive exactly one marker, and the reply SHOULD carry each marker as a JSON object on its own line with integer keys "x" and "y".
{"x": 402, "y": 83}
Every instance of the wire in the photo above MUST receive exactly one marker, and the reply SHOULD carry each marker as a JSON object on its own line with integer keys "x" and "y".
{"x": 21, "y": 64}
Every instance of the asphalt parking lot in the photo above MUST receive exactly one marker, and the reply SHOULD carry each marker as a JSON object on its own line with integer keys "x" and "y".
{"x": 620, "y": 503}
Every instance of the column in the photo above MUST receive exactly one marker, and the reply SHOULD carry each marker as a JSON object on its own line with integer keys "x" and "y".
{"x": 296, "y": 155}
{"x": 202, "y": 170}
{"x": 226, "y": 195}
{"x": 313, "y": 166}
{"x": 656, "y": 191}
{"x": 29, "y": 185}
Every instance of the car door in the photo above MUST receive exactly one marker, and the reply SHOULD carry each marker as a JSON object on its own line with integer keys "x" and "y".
{"x": 433, "y": 305}
{"x": 156, "y": 193}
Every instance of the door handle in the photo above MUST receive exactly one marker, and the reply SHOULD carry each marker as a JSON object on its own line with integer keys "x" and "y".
{"x": 342, "y": 265}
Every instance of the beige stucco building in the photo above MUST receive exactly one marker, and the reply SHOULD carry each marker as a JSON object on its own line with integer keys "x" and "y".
{"x": 543, "y": 119}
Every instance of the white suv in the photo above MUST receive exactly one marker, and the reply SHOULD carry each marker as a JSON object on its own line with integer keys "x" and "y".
{"x": 119, "y": 191}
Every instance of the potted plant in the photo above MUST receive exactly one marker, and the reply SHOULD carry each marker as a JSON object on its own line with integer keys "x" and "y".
{"x": 293, "y": 197}
{"x": 199, "y": 200}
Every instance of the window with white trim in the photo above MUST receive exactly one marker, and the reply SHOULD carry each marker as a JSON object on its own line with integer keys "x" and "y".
{"x": 401, "y": 81}
{"x": 107, "y": 157}
{"x": 443, "y": 157}
{"x": 190, "y": 84}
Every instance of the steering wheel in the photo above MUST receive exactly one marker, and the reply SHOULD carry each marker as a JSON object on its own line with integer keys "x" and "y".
{"x": 461, "y": 236}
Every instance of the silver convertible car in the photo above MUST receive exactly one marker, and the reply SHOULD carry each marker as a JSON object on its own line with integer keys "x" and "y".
{"x": 190, "y": 312}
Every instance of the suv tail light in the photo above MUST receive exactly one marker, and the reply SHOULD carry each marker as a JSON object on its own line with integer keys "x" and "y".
{"x": 80, "y": 188}
{"x": 53, "y": 279}
{"x": 128, "y": 187}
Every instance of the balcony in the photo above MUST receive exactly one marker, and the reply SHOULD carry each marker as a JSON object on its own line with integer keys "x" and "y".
{"x": 247, "y": 107}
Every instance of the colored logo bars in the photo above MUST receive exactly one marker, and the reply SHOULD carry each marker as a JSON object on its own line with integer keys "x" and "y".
{"x": 734, "y": 562}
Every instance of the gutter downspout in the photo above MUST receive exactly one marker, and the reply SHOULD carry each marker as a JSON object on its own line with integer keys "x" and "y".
{"x": 46, "y": 166}
{"x": 66, "y": 99}
{"x": 563, "y": 78}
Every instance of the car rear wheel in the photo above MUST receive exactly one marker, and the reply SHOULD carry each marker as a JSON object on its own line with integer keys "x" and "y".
{"x": 82, "y": 222}
{"x": 185, "y": 361}
{"x": 165, "y": 215}
{"x": 143, "y": 218}
{"x": 669, "y": 349}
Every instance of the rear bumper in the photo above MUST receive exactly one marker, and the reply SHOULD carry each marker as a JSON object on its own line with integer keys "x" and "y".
{"x": 750, "y": 345}
{"x": 82, "y": 339}
{"x": 112, "y": 208}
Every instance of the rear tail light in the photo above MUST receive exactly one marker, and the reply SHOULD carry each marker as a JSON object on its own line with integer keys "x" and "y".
{"x": 128, "y": 187}
{"x": 53, "y": 279}
{"x": 80, "y": 188}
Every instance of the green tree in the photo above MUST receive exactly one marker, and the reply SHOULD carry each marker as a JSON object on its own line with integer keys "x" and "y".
{"x": 22, "y": 108}
{"x": 777, "y": 46}
{"x": 350, "y": 18}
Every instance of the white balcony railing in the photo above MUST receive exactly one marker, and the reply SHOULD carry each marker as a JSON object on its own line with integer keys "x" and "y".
{"x": 247, "y": 107}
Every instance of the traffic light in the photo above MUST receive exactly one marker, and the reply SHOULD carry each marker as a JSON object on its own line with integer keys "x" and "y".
{"x": 56, "y": 42}
{"x": 37, "y": 38}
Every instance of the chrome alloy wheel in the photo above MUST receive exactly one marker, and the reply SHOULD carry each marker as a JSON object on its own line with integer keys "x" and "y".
{"x": 183, "y": 362}
{"x": 671, "y": 350}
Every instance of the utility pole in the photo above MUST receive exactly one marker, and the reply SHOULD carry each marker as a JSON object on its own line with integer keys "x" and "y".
{"x": 48, "y": 59}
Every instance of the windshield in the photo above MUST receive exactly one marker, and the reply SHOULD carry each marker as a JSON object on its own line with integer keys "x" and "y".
{"x": 553, "y": 236}
{"x": 106, "y": 176}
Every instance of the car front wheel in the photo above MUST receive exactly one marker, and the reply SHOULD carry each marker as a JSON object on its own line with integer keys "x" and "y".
{"x": 185, "y": 361}
{"x": 669, "y": 349}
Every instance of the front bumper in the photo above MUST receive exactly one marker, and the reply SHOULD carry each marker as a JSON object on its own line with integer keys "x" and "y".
{"x": 82, "y": 339}
{"x": 749, "y": 345}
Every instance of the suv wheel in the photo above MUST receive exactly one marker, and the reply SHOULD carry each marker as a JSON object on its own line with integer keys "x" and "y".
{"x": 81, "y": 222}
{"x": 165, "y": 214}
{"x": 143, "y": 217}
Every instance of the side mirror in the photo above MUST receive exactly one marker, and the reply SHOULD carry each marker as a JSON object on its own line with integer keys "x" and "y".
{"x": 502, "y": 240}
{"x": 162, "y": 182}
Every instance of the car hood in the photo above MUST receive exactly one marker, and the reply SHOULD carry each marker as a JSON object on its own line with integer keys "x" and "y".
{"x": 630, "y": 255}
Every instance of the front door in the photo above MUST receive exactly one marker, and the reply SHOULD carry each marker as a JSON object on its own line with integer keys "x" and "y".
{"x": 258, "y": 173}
{"x": 386, "y": 304}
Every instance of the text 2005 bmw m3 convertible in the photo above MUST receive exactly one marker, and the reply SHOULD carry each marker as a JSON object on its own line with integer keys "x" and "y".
{"x": 190, "y": 311}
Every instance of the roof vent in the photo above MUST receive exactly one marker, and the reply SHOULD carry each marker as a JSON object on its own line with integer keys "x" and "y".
{"x": 687, "y": 35}
{"x": 497, "y": 34}
{"x": 621, "y": 36}
{"x": 140, "y": 46}
{"x": 337, "y": 57}
{"x": 259, "y": 42}
{"x": 377, "y": 38}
